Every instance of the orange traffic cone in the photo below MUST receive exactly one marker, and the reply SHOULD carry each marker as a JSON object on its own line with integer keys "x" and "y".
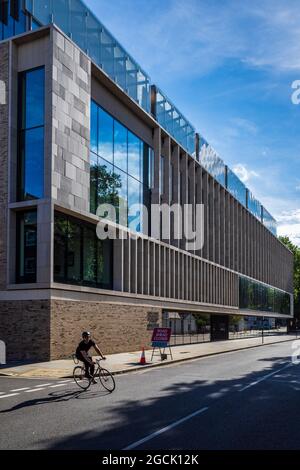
{"x": 143, "y": 358}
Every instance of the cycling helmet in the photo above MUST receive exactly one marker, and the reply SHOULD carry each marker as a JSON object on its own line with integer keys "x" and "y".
{"x": 85, "y": 334}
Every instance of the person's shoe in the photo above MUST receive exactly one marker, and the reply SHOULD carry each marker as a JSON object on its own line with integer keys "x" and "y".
{"x": 93, "y": 381}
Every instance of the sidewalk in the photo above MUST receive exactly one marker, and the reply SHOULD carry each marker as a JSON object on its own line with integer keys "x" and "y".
{"x": 129, "y": 362}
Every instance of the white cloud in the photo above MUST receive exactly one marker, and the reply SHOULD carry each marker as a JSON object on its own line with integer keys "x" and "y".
{"x": 245, "y": 125}
{"x": 244, "y": 173}
{"x": 194, "y": 37}
{"x": 289, "y": 225}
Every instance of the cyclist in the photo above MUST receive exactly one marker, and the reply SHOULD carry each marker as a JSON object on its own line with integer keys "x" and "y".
{"x": 82, "y": 354}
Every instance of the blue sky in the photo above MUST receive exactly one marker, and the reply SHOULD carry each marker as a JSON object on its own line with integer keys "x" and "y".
{"x": 228, "y": 65}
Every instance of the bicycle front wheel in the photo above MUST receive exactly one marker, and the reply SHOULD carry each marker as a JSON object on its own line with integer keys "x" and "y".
{"x": 107, "y": 380}
{"x": 80, "y": 379}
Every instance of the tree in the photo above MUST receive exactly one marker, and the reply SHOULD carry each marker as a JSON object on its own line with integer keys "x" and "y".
{"x": 296, "y": 252}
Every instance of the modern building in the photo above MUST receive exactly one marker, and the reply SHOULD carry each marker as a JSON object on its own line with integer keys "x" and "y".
{"x": 82, "y": 124}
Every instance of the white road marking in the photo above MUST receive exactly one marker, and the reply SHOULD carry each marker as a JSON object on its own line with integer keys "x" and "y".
{"x": 42, "y": 385}
{"x": 165, "y": 429}
{"x": 20, "y": 389}
{"x": 59, "y": 385}
{"x": 64, "y": 381}
{"x": 265, "y": 377}
{"x": 34, "y": 390}
{"x": 9, "y": 395}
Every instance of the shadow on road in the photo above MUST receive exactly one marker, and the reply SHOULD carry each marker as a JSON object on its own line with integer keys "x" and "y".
{"x": 263, "y": 416}
{"x": 57, "y": 397}
{"x": 244, "y": 412}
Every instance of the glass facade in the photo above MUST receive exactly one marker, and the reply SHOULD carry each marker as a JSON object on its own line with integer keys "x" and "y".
{"x": 256, "y": 296}
{"x": 211, "y": 161}
{"x": 31, "y": 134}
{"x": 82, "y": 26}
{"x": 79, "y": 256}
{"x": 13, "y": 20}
{"x": 121, "y": 167}
{"x": 26, "y": 254}
{"x": 236, "y": 187}
{"x": 174, "y": 122}
{"x": 254, "y": 206}
{"x": 78, "y": 22}
{"x": 269, "y": 221}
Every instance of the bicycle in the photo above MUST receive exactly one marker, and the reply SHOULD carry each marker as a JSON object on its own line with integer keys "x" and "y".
{"x": 105, "y": 377}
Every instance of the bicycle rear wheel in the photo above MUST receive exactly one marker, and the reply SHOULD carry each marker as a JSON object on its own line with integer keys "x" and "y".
{"x": 107, "y": 380}
{"x": 80, "y": 379}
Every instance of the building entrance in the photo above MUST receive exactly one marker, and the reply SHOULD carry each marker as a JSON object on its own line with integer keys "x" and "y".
{"x": 219, "y": 327}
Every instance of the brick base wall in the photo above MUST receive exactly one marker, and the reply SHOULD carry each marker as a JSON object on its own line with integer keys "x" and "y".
{"x": 25, "y": 329}
{"x": 116, "y": 328}
{"x": 47, "y": 330}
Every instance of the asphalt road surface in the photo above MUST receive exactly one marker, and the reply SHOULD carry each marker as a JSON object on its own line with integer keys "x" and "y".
{"x": 242, "y": 400}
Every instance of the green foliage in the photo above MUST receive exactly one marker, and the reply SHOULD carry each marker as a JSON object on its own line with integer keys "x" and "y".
{"x": 202, "y": 320}
{"x": 235, "y": 319}
{"x": 296, "y": 252}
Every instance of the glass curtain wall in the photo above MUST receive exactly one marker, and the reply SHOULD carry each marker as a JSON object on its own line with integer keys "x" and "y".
{"x": 236, "y": 187}
{"x": 254, "y": 206}
{"x": 210, "y": 160}
{"x": 79, "y": 256}
{"x": 121, "y": 166}
{"x": 31, "y": 134}
{"x": 256, "y": 296}
{"x": 13, "y": 20}
{"x": 269, "y": 221}
{"x": 78, "y": 22}
{"x": 174, "y": 122}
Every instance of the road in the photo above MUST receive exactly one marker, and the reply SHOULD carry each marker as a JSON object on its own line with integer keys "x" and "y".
{"x": 243, "y": 400}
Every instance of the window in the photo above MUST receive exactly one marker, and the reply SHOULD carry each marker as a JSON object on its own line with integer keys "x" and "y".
{"x": 106, "y": 135}
{"x": 257, "y": 296}
{"x": 135, "y": 158}
{"x": 162, "y": 176}
{"x": 121, "y": 167}
{"x": 80, "y": 258}
{"x": 26, "y": 247}
{"x": 12, "y": 18}
{"x": 120, "y": 146}
{"x": 31, "y": 135}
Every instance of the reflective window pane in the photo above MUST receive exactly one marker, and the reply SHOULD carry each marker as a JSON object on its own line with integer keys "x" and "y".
{"x": 108, "y": 181}
{"x": 120, "y": 146}
{"x": 74, "y": 252}
{"x": 256, "y": 296}
{"x": 106, "y": 135}
{"x": 33, "y": 98}
{"x": 94, "y": 127}
{"x": 31, "y": 134}
{"x": 121, "y": 188}
{"x": 135, "y": 190}
{"x": 104, "y": 263}
{"x": 79, "y": 256}
{"x": 236, "y": 187}
{"x": 93, "y": 182}
{"x": 32, "y": 164}
{"x": 60, "y": 243}
{"x": 26, "y": 247}
{"x": 89, "y": 255}
{"x": 135, "y": 167}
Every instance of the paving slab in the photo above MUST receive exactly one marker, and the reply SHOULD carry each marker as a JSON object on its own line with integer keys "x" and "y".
{"x": 130, "y": 362}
